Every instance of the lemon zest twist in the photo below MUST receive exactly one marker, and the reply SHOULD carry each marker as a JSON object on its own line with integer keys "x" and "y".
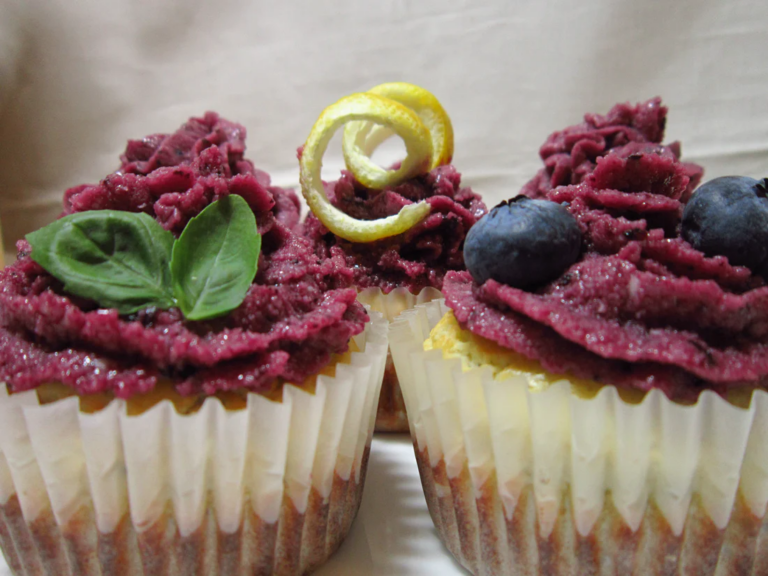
{"x": 411, "y": 112}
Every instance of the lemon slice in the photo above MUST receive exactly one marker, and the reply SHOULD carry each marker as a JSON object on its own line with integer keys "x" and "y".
{"x": 412, "y": 113}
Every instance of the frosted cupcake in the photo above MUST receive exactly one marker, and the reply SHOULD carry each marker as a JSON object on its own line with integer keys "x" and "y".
{"x": 589, "y": 399}
{"x": 396, "y": 272}
{"x": 189, "y": 389}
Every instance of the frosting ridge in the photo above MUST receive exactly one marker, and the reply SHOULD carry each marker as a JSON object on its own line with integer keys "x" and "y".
{"x": 641, "y": 308}
{"x": 298, "y": 312}
{"x": 416, "y": 259}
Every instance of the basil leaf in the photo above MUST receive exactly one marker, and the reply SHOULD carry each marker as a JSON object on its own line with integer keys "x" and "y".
{"x": 214, "y": 260}
{"x": 118, "y": 259}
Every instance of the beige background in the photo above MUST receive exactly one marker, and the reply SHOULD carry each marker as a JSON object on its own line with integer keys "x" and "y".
{"x": 79, "y": 77}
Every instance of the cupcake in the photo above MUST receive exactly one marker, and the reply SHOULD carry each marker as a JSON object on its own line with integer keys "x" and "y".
{"x": 590, "y": 396}
{"x": 188, "y": 388}
{"x": 394, "y": 273}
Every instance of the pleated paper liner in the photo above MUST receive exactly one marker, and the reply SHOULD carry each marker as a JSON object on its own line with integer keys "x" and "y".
{"x": 270, "y": 489}
{"x": 548, "y": 483}
{"x": 390, "y": 415}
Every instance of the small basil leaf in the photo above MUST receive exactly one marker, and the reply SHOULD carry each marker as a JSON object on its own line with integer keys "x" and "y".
{"x": 214, "y": 260}
{"x": 118, "y": 259}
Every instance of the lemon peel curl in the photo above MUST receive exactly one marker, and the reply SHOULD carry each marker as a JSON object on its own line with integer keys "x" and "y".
{"x": 371, "y": 117}
{"x": 362, "y": 138}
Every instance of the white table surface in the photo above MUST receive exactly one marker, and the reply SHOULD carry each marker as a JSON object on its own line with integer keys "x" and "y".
{"x": 393, "y": 534}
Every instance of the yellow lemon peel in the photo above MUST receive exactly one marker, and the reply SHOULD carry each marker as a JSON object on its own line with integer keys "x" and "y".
{"x": 362, "y": 138}
{"x": 371, "y": 117}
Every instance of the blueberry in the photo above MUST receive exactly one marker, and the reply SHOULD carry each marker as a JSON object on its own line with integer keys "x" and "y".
{"x": 522, "y": 243}
{"x": 728, "y": 217}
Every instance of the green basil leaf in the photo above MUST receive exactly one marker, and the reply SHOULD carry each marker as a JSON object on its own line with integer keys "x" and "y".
{"x": 118, "y": 259}
{"x": 214, "y": 260}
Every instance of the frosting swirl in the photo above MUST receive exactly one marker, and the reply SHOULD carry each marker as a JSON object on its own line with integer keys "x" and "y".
{"x": 641, "y": 308}
{"x": 298, "y": 312}
{"x": 417, "y": 258}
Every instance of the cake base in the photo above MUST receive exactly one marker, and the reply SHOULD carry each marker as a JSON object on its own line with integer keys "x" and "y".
{"x": 294, "y": 545}
{"x": 474, "y": 527}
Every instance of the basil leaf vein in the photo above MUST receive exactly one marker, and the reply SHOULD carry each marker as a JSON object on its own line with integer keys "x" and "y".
{"x": 117, "y": 259}
{"x": 214, "y": 260}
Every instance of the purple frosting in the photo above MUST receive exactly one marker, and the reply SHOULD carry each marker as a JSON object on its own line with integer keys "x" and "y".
{"x": 298, "y": 312}
{"x": 417, "y": 258}
{"x": 641, "y": 308}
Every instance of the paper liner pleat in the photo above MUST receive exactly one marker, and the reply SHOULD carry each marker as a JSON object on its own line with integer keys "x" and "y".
{"x": 271, "y": 489}
{"x": 390, "y": 415}
{"x": 549, "y": 483}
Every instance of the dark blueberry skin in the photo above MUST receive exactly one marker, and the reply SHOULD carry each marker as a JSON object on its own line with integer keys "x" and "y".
{"x": 523, "y": 243}
{"x": 728, "y": 217}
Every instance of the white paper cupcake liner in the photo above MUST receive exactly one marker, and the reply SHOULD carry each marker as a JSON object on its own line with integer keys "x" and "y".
{"x": 390, "y": 415}
{"x": 271, "y": 489}
{"x": 548, "y": 483}
{"x": 397, "y": 301}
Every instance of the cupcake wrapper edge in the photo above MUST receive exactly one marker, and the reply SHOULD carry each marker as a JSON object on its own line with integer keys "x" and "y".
{"x": 553, "y": 450}
{"x": 289, "y": 472}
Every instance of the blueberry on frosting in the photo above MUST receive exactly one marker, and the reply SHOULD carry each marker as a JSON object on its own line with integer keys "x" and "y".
{"x": 522, "y": 243}
{"x": 728, "y": 217}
